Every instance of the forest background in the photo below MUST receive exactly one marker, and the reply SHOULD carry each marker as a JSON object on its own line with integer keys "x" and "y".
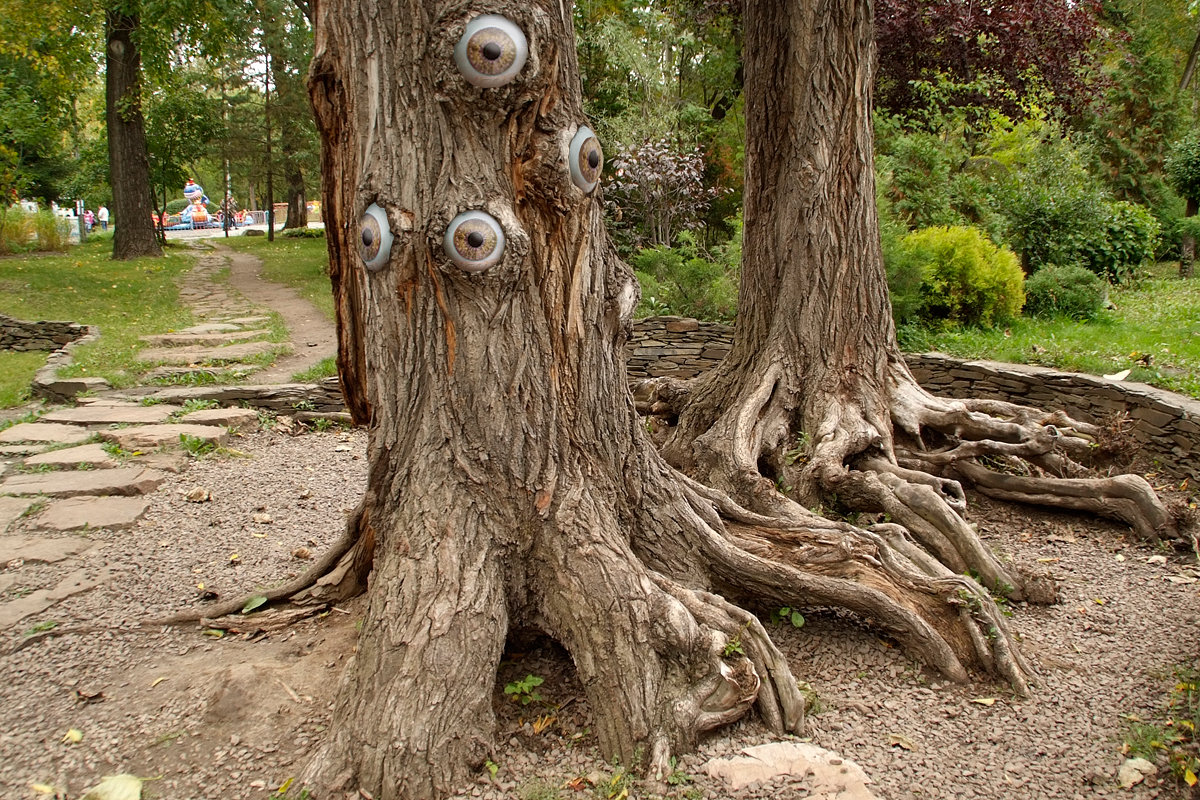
{"x": 1030, "y": 155}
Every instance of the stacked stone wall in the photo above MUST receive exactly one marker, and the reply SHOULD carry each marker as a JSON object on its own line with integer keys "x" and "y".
{"x": 1166, "y": 425}
{"x": 16, "y": 334}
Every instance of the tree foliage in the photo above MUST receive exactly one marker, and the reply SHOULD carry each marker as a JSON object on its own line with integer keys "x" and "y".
{"x": 1031, "y": 46}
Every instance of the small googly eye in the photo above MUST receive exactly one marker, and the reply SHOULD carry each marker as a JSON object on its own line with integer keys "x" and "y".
{"x": 586, "y": 159}
{"x": 491, "y": 52}
{"x": 474, "y": 241}
{"x": 374, "y": 238}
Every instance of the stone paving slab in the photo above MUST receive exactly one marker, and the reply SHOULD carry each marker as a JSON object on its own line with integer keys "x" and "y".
{"x": 830, "y": 776}
{"x": 255, "y": 320}
{"x": 113, "y": 415}
{"x": 42, "y": 548}
{"x": 123, "y": 481}
{"x": 202, "y": 339}
{"x": 192, "y": 355}
{"x": 149, "y": 436}
{"x": 28, "y": 449}
{"x": 76, "y": 513}
{"x": 11, "y": 509}
{"x": 92, "y": 455}
{"x": 238, "y": 419}
{"x": 211, "y": 327}
{"x": 36, "y": 602}
{"x": 55, "y": 433}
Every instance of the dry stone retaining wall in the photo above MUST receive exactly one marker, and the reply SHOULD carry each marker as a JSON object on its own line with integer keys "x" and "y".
{"x": 17, "y": 334}
{"x": 1166, "y": 424}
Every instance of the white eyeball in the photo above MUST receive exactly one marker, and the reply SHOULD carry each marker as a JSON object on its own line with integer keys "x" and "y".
{"x": 492, "y": 51}
{"x": 586, "y": 159}
{"x": 375, "y": 238}
{"x": 474, "y": 241}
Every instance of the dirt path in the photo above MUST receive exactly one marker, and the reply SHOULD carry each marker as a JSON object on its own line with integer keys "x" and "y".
{"x": 312, "y": 335}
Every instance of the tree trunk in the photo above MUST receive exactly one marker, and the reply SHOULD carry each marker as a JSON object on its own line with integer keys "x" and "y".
{"x": 1187, "y": 246}
{"x": 297, "y": 209}
{"x": 129, "y": 167}
{"x": 814, "y": 402}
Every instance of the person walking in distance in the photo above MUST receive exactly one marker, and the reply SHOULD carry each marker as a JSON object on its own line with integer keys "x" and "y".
{"x": 102, "y": 217}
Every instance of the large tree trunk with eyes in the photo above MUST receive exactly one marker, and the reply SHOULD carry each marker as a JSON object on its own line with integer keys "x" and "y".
{"x": 511, "y": 482}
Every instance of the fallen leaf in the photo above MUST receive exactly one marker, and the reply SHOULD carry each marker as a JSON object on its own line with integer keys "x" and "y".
{"x": 116, "y": 787}
{"x": 302, "y": 553}
{"x": 1048, "y": 560}
{"x": 73, "y": 736}
{"x": 899, "y": 740}
{"x": 158, "y": 680}
{"x": 1179, "y": 579}
{"x": 984, "y": 701}
{"x": 1118, "y": 376}
{"x": 1156, "y": 560}
{"x": 257, "y": 601}
{"x": 234, "y": 558}
{"x": 1189, "y": 777}
{"x": 43, "y": 788}
{"x": 342, "y": 448}
{"x": 1119, "y": 557}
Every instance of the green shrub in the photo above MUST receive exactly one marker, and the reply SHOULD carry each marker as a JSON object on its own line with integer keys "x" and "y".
{"x": 686, "y": 281}
{"x": 53, "y": 232}
{"x": 1183, "y": 166}
{"x": 1126, "y": 241}
{"x": 966, "y": 279}
{"x": 1070, "y": 291}
{"x": 904, "y": 273}
{"x": 16, "y": 230}
{"x": 303, "y": 233}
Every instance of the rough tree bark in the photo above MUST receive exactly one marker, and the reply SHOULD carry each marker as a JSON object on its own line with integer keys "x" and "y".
{"x": 815, "y": 396}
{"x": 510, "y": 478}
{"x": 129, "y": 167}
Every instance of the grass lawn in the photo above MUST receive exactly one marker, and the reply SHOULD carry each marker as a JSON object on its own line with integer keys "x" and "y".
{"x": 299, "y": 263}
{"x": 1156, "y": 321}
{"x": 126, "y": 299}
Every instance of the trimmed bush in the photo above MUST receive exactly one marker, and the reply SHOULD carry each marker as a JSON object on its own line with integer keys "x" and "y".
{"x": 1126, "y": 241}
{"x": 1070, "y": 291}
{"x": 967, "y": 280}
{"x": 303, "y": 233}
{"x": 682, "y": 280}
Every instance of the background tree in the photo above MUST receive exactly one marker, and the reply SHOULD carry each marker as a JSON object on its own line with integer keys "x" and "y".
{"x": 1183, "y": 170}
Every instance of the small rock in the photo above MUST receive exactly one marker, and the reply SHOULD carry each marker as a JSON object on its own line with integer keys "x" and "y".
{"x": 1134, "y": 771}
{"x": 198, "y": 495}
{"x": 302, "y": 553}
{"x": 261, "y": 518}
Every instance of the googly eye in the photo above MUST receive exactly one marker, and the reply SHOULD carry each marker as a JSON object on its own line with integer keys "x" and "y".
{"x": 474, "y": 241}
{"x": 492, "y": 51}
{"x": 586, "y": 159}
{"x": 374, "y": 238}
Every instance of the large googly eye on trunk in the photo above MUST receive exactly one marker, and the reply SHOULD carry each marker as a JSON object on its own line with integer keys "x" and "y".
{"x": 492, "y": 51}
{"x": 586, "y": 159}
{"x": 474, "y": 241}
{"x": 375, "y": 238}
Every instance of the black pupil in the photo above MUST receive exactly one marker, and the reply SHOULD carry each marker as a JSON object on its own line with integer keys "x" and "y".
{"x": 491, "y": 51}
{"x": 475, "y": 238}
{"x": 368, "y": 236}
{"x": 593, "y": 159}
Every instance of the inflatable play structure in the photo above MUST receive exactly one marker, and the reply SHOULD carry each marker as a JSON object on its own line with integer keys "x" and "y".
{"x": 195, "y": 213}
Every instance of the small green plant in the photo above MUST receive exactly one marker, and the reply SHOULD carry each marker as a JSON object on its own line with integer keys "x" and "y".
{"x": 304, "y": 405}
{"x": 525, "y": 690}
{"x": 538, "y": 790}
{"x": 677, "y": 777}
{"x": 151, "y": 401}
{"x": 196, "y": 446}
{"x": 196, "y": 404}
{"x": 787, "y": 614}
{"x": 42, "y": 627}
{"x": 323, "y": 424}
{"x": 492, "y": 767}
{"x": 303, "y": 233}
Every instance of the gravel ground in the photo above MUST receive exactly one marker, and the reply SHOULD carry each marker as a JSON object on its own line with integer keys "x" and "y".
{"x": 236, "y": 717}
